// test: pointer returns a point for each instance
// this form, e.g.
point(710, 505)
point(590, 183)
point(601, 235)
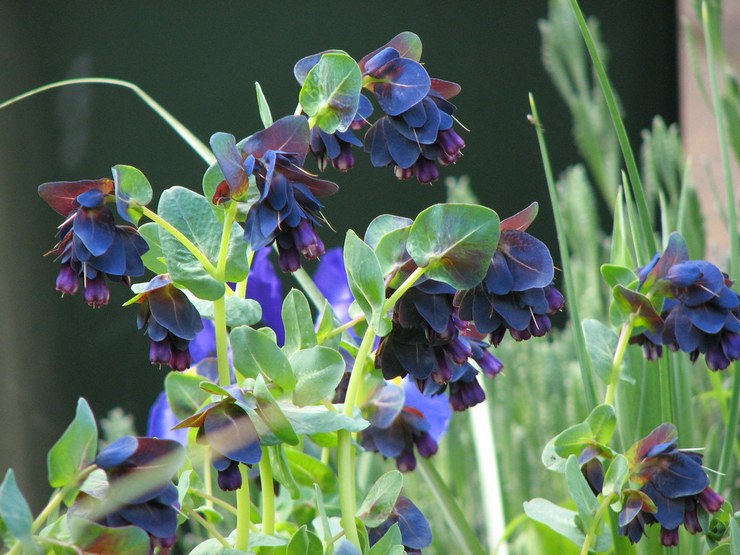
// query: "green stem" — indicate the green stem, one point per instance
point(309, 288)
point(210, 528)
point(344, 327)
point(666, 389)
point(624, 337)
point(624, 143)
point(268, 494)
point(584, 360)
point(219, 306)
point(199, 147)
point(591, 536)
point(215, 500)
point(177, 234)
point(345, 452)
point(726, 470)
point(405, 286)
point(243, 506)
point(454, 517)
point(721, 122)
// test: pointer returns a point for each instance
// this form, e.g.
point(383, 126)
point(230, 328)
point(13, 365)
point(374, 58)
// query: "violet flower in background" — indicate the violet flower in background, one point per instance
point(154, 511)
point(403, 420)
point(264, 287)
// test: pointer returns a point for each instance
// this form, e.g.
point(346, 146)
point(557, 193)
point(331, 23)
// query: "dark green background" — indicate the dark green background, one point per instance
point(200, 60)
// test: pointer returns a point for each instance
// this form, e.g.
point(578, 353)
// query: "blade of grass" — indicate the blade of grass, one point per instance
point(587, 372)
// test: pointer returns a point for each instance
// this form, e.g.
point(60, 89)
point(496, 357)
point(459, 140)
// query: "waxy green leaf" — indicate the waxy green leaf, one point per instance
point(309, 471)
point(382, 225)
point(330, 94)
point(305, 542)
point(153, 258)
point(16, 514)
point(264, 107)
point(379, 501)
point(615, 274)
point(281, 469)
point(299, 327)
point(191, 214)
point(366, 281)
point(581, 492)
point(563, 521)
point(601, 343)
point(455, 241)
point(390, 544)
point(184, 393)
point(318, 371)
point(75, 449)
point(616, 475)
point(132, 191)
point(239, 311)
point(270, 413)
point(255, 353)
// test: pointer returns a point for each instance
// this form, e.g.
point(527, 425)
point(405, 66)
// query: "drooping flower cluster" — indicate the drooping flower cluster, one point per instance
point(170, 320)
point(701, 313)
point(670, 488)
point(152, 462)
point(416, 131)
point(427, 342)
point(91, 247)
point(437, 330)
point(517, 293)
point(287, 211)
point(401, 418)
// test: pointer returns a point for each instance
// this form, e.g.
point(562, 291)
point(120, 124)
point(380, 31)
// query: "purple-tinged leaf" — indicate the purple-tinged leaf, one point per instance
point(674, 253)
point(304, 65)
point(230, 431)
point(400, 84)
point(528, 259)
point(634, 504)
point(407, 44)
point(376, 142)
point(706, 317)
point(678, 475)
point(445, 89)
point(290, 134)
point(62, 195)
point(318, 187)
point(231, 163)
point(630, 301)
point(93, 538)
point(96, 229)
point(403, 151)
point(522, 219)
point(159, 520)
point(415, 530)
point(174, 311)
point(426, 133)
point(117, 452)
point(380, 59)
point(663, 434)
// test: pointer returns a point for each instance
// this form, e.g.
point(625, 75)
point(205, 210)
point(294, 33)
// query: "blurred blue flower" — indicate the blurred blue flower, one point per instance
point(401, 419)
point(266, 288)
point(331, 279)
point(154, 460)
